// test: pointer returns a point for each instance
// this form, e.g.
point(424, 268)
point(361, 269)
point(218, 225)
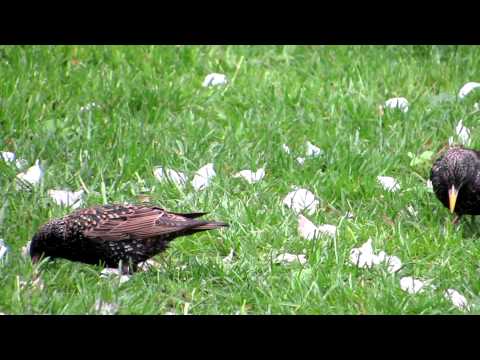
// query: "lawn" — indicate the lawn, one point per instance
point(152, 110)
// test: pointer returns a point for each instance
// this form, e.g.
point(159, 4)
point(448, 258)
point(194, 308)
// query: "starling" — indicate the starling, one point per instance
point(455, 179)
point(115, 235)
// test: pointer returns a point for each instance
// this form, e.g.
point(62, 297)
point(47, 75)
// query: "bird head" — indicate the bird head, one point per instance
point(461, 166)
point(47, 238)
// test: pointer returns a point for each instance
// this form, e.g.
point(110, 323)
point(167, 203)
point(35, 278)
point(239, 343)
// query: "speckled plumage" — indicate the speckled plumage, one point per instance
point(111, 234)
point(459, 167)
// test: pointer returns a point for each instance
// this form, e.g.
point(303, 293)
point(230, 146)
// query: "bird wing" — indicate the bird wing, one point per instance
point(132, 222)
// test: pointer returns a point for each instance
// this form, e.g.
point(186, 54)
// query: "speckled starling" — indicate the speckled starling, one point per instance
point(455, 179)
point(115, 234)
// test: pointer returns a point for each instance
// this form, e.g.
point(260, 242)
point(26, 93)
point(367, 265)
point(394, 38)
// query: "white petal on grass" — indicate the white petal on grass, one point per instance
point(397, 103)
point(463, 133)
point(7, 156)
point(412, 211)
point(67, 198)
point(110, 272)
point(457, 299)
point(250, 176)
point(476, 106)
point(21, 163)
point(327, 229)
point(3, 249)
point(104, 308)
point(11, 157)
point(89, 107)
point(26, 249)
point(229, 258)
point(287, 258)
point(286, 148)
point(364, 256)
point(35, 283)
point(149, 264)
point(310, 231)
point(412, 285)
point(313, 150)
point(214, 79)
point(33, 175)
point(467, 88)
point(306, 228)
point(429, 185)
point(393, 262)
point(38, 283)
point(389, 183)
point(300, 160)
point(301, 199)
point(174, 176)
point(203, 177)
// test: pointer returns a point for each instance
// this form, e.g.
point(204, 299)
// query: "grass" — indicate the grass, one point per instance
point(153, 111)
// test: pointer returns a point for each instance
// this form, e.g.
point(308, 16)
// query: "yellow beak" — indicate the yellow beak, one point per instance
point(452, 198)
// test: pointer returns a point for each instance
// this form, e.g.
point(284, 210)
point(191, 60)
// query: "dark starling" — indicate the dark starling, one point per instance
point(455, 179)
point(115, 234)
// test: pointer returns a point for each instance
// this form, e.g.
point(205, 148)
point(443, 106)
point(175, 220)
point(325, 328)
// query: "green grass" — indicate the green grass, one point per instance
point(154, 112)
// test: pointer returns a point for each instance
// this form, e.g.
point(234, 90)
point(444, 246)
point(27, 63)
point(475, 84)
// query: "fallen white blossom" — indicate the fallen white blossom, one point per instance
point(104, 308)
point(286, 148)
point(7, 156)
point(26, 249)
point(412, 211)
point(393, 262)
point(3, 249)
point(35, 283)
point(364, 257)
point(306, 228)
point(389, 183)
point(309, 231)
point(174, 176)
point(467, 88)
point(229, 258)
point(457, 299)
point(429, 185)
point(214, 79)
point(111, 272)
point(301, 199)
point(412, 285)
point(327, 229)
point(11, 157)
point(67, 198)
point(462, 133)
point(287, 258)
point(203, 177)
point(33, 175)
point(397, 103)
point(313, 150)
point(300, 160)
point(89, 107)
point(149, 264)
point(250, 176)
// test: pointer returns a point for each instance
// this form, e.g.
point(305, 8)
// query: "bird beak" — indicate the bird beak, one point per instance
point(452, 198)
